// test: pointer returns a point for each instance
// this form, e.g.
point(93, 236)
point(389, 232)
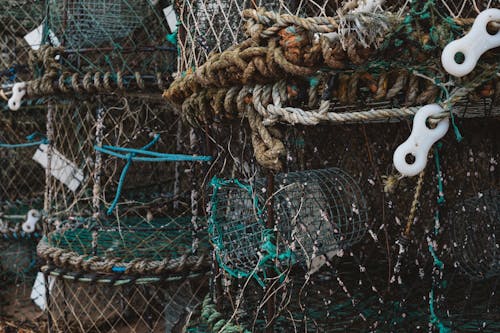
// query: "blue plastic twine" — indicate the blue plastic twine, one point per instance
point(130, 156)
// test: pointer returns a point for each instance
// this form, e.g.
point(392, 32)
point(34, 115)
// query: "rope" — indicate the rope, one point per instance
point(187, 262)
point(131, 156)
point(414, 204)
point(31, 142)
point(215, 319)
point(115, 281)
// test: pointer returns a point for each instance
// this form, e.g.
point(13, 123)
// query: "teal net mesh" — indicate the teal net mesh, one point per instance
point(129, 240)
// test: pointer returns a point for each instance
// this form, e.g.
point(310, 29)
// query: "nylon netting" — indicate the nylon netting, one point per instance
point(310, 228)
point(83, 306)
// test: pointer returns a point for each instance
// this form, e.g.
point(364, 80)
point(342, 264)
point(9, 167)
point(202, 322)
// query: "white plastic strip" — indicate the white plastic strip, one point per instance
point(60, 167)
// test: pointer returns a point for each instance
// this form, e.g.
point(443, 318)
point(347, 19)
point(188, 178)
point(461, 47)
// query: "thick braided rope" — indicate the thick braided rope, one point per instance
point(215, 319)
point(81, 263)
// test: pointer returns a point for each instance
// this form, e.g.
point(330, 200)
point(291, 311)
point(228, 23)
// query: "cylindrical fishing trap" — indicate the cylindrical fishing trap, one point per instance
point(90, 23)
point(316, 214)
point(474, 232)
point(92, 303)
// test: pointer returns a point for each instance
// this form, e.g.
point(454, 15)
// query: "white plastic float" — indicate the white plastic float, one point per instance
point(32, 218)
point(477, 41)
point(420, 141)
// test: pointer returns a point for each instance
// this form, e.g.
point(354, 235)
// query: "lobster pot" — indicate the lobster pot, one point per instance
point(97, 304)
point(211, 26)
point(124, 277)
point(111, 36)
point(18, 17)
point(317, 213)
point(474, 234)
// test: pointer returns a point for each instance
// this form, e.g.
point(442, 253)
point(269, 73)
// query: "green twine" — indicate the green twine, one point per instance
point(130, 156)
point(458, 135)
point(437, 262)
point(172, 38)
point(313, 81)
point(434, 318)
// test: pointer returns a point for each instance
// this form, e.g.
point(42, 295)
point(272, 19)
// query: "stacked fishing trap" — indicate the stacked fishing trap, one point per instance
point(241, 166)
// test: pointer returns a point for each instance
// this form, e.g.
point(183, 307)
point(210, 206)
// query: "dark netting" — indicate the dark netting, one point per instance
point(467, 305)
point(341, 298)
point(317, 214)
point(474, 233)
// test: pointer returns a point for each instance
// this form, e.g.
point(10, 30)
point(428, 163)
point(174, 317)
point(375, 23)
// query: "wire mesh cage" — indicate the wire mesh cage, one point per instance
point(126, 39)
point(105, 201)
point(90, 23)
point(473, 232)
point(317, 214)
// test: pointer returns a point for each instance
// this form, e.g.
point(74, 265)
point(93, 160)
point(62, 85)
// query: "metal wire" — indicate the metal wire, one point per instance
point(90, 23)
point(317, 213)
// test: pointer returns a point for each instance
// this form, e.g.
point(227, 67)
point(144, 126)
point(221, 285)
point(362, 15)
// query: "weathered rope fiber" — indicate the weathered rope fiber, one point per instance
point(187, 262)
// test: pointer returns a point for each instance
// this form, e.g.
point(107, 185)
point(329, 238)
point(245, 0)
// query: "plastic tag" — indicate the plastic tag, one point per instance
point(34, 38)
point(171, 17)
point(38, 291)
point(60, 167)
point(420, 141)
